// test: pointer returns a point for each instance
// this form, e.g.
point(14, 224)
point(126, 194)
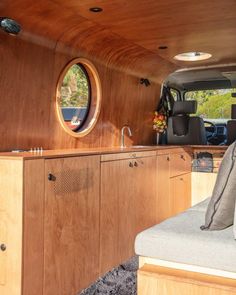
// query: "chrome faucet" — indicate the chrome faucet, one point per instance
point(122, 135)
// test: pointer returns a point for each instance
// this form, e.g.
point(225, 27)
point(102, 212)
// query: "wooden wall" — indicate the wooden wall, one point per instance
point(28, 77)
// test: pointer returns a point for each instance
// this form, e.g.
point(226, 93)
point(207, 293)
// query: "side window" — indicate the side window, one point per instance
point(175, 94)
point(78, 97)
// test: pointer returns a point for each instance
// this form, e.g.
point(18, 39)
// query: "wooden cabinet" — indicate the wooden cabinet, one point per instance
point(180, 193)
point(49, 222)
point(173, 183)
point(66, 219)
point(11, 202)
point(71, 224)
point(128, 205)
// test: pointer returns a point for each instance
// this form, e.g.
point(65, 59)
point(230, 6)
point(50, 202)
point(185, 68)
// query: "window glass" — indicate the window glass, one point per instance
point(213, 104)
point(75, 97)
point(174, 93)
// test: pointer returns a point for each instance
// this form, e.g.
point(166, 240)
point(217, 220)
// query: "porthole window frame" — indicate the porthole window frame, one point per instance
point(95, 93)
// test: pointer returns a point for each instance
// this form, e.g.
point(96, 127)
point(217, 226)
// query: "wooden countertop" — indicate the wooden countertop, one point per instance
point(96, 151)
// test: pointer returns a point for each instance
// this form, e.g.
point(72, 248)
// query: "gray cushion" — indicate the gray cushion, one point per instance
point(220, 211)
point(179, 239)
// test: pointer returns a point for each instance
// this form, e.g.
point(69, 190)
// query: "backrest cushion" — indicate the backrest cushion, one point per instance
point(220, 211)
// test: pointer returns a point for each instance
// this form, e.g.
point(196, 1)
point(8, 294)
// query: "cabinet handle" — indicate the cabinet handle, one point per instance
point(131, 164)
point(181, 179)
point(168, 158)
point(182, 157)
point(135, 164)
point(51, 177)
point(3, 247)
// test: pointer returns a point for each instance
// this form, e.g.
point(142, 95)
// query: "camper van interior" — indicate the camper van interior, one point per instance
point(117, 154)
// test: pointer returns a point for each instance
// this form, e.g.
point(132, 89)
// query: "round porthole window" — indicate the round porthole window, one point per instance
point(78, 97)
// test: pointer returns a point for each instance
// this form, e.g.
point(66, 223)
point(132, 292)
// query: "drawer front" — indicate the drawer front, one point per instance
point(130, 155)
point(180, 164)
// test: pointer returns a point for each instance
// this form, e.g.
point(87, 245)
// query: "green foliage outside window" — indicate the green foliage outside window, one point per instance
point(213, 104)
point(75, 88)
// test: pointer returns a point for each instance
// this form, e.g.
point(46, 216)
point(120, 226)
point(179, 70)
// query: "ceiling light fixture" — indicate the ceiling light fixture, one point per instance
point(96, 9)
point(193, 56)
point(9, 26)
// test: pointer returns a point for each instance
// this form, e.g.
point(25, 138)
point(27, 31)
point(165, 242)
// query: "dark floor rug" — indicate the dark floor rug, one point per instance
point(119, 281)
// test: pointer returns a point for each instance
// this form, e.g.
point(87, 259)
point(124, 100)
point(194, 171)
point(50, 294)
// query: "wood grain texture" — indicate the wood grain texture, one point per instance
point(182, 25)
point(11, 220)
point(180, 193)
point(156, 280)
point(173, 183)
point(128, 206)
point(71, 225)
point(28, 115)
point(163, 187)
point(33, 232)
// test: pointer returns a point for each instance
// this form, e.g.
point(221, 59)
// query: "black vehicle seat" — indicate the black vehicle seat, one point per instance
point(184, 129)
point(231, 126)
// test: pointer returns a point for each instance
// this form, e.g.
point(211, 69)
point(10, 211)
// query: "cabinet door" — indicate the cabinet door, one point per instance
point(163, 187)
point(128, 205)
point(180, 163)
point(71, 228)
point(11, 217)
point(180, 192)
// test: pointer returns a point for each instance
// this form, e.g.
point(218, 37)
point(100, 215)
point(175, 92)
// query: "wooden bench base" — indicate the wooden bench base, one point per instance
point(157, 280)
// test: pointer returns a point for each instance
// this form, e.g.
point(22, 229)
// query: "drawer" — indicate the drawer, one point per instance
point(179, 164)
point(129, 155)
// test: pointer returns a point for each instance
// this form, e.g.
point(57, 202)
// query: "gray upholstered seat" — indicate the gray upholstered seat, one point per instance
point(179, 239)
point(184, 129)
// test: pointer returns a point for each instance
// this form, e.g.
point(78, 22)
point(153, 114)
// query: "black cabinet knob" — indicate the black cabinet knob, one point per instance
point(51, 177)
point(3, 247)
point(135, 164)
point(131, 164)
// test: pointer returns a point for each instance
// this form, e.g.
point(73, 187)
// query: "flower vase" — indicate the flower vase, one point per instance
point(157, 138)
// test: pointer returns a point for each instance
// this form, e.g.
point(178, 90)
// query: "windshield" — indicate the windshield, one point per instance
point(213, 105)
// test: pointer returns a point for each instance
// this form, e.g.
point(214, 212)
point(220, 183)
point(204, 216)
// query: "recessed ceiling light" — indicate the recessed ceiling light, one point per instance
point(193, 56)
point(163, 47)
point(96, 9)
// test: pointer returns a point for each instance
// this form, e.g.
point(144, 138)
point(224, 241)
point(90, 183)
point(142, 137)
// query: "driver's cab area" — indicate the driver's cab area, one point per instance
point(206, 102)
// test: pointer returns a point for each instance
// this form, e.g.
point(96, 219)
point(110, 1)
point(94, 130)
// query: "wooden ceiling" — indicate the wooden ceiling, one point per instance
point(138, 25)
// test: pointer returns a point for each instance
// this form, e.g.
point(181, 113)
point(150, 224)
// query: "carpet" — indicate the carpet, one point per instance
point(119, 281)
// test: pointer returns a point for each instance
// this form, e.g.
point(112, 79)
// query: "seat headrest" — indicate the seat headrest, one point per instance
point(233, 111)
point(184, 107)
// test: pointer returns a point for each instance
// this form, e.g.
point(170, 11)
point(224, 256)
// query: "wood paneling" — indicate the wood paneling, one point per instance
point(71, 224)
point(182, 25)
point(29, 74)
point(157, 280)
point(173, 183)
point(180, 193)
point(11, 220)
point(128, 206)
point(33, 233)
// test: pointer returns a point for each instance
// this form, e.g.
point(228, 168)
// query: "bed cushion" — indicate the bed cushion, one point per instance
point(220, 211)
point(179, 239)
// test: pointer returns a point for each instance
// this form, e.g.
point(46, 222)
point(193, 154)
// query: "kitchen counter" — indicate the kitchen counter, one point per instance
point(45, 154)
